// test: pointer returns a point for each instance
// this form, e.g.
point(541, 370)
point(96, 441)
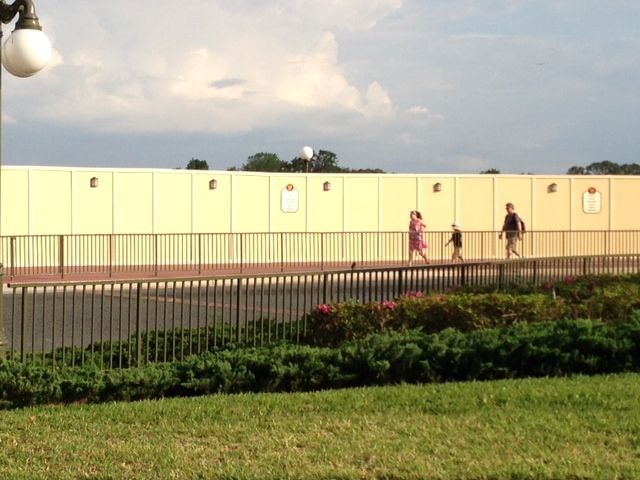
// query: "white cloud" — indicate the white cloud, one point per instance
point(377, 103)
point(418, 110)
point(205, 67)
point(503, 83)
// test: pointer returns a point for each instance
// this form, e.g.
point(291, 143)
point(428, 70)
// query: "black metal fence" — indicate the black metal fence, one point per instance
point(152, 255)
point(121, 323)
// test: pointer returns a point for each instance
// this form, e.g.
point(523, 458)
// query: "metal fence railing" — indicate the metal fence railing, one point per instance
point(123, 323)
point(151, 255)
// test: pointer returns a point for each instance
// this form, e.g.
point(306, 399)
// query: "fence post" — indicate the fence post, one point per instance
point(138, 322)
point(585, 266)
point(321, 251)
point(12, 256)
point(112, 247)
point(238, 307)
point(240, 239)
point(61, 255)
point(199, 254)
point(155, 253)
point(4, 343)
point(324, 288)
point(281, 252)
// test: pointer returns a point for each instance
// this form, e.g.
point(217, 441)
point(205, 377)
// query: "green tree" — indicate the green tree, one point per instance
point(606, 167)
point(491, 171)
point(577, 170)
point(196, 164)
point(323, 161)
point(264, 162)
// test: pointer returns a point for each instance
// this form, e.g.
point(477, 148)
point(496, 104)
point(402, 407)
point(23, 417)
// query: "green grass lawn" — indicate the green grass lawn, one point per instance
point(578, 428)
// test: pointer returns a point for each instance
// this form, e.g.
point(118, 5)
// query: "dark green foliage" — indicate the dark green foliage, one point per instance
point(605, 167)
point(197, 164)
point(333, 324)
point(563, 347)
point(604, 297)
point(264, 162)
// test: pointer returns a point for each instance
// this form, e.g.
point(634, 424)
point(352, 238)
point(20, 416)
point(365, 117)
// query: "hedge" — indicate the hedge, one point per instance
point(608, 299)
point(563, 347)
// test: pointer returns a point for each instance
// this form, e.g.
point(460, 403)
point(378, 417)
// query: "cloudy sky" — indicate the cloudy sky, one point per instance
point(437, 86)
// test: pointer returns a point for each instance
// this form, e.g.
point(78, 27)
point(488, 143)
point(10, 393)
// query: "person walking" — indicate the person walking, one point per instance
point(417, 243)
point(456, 239)
point(512, 227)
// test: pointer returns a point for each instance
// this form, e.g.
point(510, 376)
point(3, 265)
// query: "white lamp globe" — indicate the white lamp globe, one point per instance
point(306, 153)
point(26, 52)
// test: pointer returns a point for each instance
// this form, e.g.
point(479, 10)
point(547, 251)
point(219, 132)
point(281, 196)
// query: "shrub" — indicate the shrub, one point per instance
point(334, 324)
point(539, 349)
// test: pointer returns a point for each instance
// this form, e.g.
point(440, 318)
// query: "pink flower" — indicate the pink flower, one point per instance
point(569, 279)
point(324, 309)
point(413, 295)
point(389, 305)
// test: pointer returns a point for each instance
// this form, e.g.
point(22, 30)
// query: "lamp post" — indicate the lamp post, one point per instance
point(25, 53)
point(306, 154)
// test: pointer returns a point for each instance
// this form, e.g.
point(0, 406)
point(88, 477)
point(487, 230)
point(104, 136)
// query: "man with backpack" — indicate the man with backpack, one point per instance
point(513, 228)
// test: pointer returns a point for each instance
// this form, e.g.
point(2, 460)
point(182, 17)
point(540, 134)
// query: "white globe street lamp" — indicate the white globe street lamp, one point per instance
point(26, 52)
point(306, 154)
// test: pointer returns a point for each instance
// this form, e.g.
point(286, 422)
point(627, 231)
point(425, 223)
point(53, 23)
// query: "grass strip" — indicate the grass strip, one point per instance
point(578, 428)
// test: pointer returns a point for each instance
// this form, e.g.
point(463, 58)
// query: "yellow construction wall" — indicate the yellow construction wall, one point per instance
point(91, 207)
point(361, 204)
point(15, 201)
point(172, 203)
point(61, 201)
point(50, 202)
point(552, 209)
point(211, 207)
point(625, 195)
point(325, 212)
point(133, 202)
point(475, 201)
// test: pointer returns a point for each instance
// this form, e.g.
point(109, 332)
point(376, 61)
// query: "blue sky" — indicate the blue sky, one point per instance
point(403, 85)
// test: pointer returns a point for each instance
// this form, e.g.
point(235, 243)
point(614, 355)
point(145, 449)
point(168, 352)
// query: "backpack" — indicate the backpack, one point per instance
point(522, 224)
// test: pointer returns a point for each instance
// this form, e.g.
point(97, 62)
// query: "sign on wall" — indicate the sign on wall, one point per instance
point(591, 201)
point(289, 199)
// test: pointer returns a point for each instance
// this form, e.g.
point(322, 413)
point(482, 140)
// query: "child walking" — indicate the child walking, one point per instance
point(456, 239)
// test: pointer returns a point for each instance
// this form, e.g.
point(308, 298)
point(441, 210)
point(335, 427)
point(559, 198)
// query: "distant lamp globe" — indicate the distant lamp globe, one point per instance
point(306, 154)
point(26, 52)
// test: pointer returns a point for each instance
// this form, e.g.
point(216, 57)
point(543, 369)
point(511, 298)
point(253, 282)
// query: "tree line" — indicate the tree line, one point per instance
point(323, 161)
point(605, 167)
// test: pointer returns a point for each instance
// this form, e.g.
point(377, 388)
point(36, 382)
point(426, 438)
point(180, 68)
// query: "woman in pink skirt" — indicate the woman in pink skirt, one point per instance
point(416, 237)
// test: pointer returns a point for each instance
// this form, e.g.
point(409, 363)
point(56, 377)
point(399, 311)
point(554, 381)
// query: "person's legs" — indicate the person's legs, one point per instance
point(512, 242)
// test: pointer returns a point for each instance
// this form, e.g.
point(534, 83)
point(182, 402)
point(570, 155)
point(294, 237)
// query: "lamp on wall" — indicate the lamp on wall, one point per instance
point(213, 184)
point(553, 188)
point(437, 187)
point(326, 186)
point(93, 183)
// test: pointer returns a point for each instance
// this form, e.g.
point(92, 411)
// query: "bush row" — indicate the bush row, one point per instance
point(543, 349)
point(608, 299)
